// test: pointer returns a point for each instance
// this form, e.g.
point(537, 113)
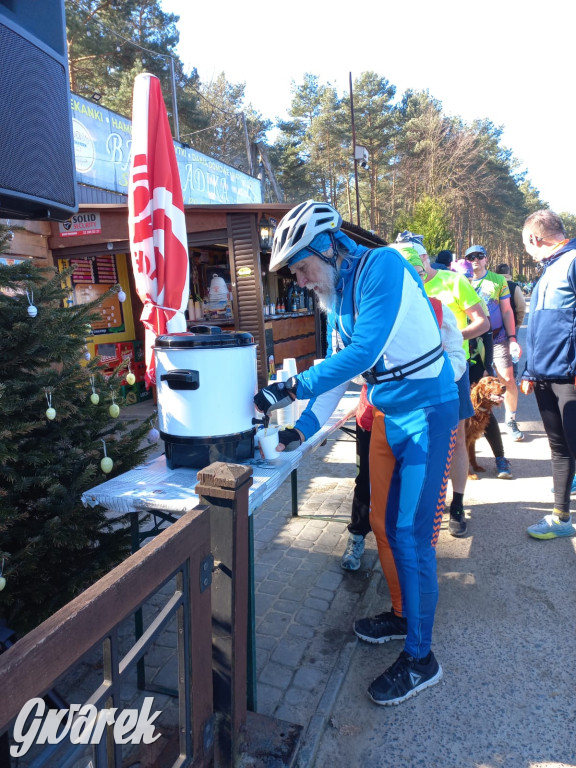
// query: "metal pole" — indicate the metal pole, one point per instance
point(354, 153)
point(174, 102)
point(247, 139)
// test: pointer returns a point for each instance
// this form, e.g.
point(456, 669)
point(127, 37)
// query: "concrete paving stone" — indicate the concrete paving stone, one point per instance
point(287, 606)
point(265, 642)
point(297, 630)
point(315, 561)
point(309, 534)
point(289, 652)
point(309, 617)
point(316, 604)
point(271, 555)
point(329, 580)
point(318, 523)
point(276, 674)
point(291, 593)
point(268, 698)
point(309, 678)
point(265, 534)
point(301, 578)
point(269, 587)
point(322, 594)
point(273, 624)
point(288, 565)
point(296, 553)
point(167, 676)
point(263, 603)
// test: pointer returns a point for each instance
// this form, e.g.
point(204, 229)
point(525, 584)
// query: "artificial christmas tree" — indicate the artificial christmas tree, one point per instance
point(54, 435)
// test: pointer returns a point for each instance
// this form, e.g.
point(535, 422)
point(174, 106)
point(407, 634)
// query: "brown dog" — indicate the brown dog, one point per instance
point(488, 393)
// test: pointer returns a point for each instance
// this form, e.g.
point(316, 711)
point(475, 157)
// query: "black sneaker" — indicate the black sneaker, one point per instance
point(404, 679)
point(457, 524)
point(381, 628)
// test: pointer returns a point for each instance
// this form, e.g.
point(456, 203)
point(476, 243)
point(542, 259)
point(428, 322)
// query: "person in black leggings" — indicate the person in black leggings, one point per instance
point(551, 358)
point(481, 365)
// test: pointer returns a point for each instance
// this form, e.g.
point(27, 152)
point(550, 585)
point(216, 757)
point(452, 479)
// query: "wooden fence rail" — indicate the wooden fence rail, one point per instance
point(33, 665)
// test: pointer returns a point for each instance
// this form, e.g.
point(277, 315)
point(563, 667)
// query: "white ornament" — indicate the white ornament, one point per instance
point(32, 311)
point(2, 583)
point(121, 296)
point(50, 414)
point(153, 436)
point(87, 355)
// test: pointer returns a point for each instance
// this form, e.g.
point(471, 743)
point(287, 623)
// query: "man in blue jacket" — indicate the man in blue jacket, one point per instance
point(381, 325)
point(551, 358)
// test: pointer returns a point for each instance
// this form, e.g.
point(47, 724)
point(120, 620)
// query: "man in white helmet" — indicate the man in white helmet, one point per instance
point(381, 325)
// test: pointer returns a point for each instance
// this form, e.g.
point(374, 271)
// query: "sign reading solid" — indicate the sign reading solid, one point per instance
point(81, 224)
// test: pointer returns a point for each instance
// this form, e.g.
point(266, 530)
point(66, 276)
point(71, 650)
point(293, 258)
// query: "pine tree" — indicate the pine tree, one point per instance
point(51, 546)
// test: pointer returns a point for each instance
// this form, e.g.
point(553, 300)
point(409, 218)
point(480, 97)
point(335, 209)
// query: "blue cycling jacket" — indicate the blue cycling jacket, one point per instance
point(381, 320)
point(551, 334)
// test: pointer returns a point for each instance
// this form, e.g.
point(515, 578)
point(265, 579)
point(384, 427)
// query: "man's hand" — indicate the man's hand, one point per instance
point(289, 439)
point(526, 387)
point(277, 395)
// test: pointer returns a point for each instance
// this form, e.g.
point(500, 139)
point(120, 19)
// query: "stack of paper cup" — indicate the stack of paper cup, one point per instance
point(289, 414)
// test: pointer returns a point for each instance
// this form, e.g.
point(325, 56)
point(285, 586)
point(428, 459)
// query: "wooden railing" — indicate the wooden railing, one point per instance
point(32, 666)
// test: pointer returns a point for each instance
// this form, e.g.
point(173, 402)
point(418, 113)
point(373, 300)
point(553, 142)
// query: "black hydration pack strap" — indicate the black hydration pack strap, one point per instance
point(401, 371)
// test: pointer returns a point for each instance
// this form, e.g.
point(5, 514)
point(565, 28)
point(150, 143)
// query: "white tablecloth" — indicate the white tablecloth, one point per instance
point(154, 486)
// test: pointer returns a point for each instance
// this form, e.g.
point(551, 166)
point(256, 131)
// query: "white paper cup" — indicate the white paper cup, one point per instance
point(267, 442)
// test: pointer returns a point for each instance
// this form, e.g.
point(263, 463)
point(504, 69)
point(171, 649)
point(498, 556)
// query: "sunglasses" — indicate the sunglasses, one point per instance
point(476, 257)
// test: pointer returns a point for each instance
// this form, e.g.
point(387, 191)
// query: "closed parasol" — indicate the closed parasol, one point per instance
point(156, 219)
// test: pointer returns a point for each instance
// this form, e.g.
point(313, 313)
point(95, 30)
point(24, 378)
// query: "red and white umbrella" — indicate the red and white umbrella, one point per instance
point(156, 219)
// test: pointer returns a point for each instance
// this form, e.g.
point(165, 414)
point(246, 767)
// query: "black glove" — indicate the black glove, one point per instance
point(290, 438)
point(277, 395)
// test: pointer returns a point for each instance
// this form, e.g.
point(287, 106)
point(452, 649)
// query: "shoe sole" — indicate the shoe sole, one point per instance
point(393, 702)
point(378, 640)
point(517, 439)
point(551, 535)
point(504, 476)
point(458, 534)
point(347, 567)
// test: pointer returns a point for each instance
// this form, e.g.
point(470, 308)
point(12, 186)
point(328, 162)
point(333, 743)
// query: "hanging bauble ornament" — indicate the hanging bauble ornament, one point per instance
point(94, 397)
point(50, 412)
point(114, 411)
point(130, 378)
point(121, 296)
point(153, 436)
point(87, 355)
point(32, 311)
point(106, 463)
point(2, 583)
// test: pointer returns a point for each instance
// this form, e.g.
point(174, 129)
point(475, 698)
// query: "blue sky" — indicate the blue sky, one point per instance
point(506, 60)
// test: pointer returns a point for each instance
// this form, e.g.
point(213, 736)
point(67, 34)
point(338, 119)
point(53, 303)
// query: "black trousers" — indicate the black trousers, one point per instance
point(360, 517)
point(557, 405)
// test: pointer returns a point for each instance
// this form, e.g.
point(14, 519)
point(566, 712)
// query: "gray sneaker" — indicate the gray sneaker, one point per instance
point(352, 558)
point(513, 430)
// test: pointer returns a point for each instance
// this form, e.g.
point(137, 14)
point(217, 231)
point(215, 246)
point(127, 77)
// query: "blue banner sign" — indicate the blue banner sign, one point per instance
point(102, 141)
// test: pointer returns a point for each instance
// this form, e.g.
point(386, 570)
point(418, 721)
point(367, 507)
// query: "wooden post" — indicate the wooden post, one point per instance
point(224, 488)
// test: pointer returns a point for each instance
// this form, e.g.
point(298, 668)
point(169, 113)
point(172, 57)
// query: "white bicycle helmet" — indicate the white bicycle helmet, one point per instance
point(299, 227)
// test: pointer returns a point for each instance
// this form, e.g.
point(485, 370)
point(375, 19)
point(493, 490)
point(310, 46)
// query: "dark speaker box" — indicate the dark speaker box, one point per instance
point(37, 171)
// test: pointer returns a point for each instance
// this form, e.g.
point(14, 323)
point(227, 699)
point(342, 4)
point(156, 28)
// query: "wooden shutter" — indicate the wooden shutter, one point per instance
point(244, 250)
